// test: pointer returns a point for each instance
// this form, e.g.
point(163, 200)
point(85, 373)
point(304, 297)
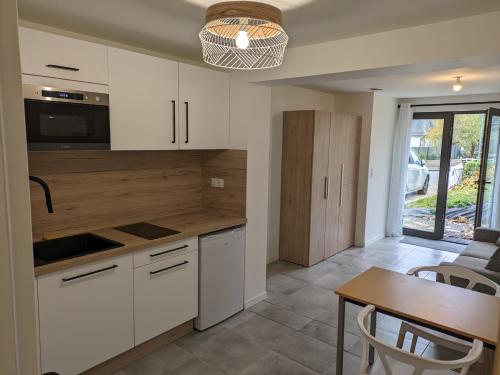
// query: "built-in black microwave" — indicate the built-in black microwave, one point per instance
point(58, 119)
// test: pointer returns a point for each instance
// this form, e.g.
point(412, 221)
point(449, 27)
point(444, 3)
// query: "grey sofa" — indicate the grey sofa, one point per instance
point(477, 254)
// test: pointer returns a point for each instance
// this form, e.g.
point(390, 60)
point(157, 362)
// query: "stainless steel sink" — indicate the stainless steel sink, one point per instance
point(70, 247)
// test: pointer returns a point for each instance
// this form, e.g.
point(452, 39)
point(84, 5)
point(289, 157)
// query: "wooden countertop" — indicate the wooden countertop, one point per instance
point(461, 311)
point(189, 225)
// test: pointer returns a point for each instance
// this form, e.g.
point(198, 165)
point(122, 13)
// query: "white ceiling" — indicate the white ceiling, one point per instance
point(475, 80)
point(171, 26)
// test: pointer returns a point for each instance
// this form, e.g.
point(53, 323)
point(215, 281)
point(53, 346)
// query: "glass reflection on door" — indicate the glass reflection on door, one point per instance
point(489, 181)
point(422, 181)
point(463, 176)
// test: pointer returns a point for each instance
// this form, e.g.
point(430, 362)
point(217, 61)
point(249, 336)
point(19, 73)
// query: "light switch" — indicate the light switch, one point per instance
point(217, 182)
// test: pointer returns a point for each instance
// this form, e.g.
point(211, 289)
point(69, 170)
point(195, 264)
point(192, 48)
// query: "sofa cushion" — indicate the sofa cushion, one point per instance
point(486, 234)
point(482, 250)
point(478, 265)
point(494, 262)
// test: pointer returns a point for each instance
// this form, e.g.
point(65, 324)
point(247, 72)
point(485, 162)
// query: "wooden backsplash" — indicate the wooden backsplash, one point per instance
point(231, 166)
point(95, 189)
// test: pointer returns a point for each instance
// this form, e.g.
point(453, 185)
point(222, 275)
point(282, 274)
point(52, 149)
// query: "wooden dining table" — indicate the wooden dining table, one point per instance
point(458, 312)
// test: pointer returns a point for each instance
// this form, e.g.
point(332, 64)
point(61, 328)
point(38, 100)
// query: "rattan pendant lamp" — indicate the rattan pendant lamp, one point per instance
point(243, 35)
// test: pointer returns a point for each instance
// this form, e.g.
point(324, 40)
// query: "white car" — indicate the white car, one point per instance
point(417, 178)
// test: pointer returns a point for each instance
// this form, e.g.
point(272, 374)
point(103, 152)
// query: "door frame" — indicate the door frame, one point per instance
point(484, 164)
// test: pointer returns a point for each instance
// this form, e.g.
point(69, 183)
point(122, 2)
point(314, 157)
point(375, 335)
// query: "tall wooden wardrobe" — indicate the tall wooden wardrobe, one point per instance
point(319, 180)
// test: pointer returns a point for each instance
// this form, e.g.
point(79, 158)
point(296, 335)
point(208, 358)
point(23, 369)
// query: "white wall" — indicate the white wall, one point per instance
point(384, 117)
point(286, 98)
point(359, 104)
point(250, 119)
point(18, 333)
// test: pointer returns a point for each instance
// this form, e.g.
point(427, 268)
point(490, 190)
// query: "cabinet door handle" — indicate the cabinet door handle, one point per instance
point(341, 195)
point(168, 251)
point(173, 119)
point(187, 122)
point(89, 273)
point(55, 66)
point(326, 187)
point(168, 268)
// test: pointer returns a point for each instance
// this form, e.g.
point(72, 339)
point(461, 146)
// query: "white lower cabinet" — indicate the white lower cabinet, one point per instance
point(165, 295)
point(85, 315)
point(91, 313)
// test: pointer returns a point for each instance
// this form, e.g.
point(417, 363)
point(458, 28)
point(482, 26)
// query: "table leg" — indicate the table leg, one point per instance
point(373, 331)
point(340, 336)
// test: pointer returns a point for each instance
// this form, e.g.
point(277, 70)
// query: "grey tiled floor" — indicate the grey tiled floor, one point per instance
point(294, 331)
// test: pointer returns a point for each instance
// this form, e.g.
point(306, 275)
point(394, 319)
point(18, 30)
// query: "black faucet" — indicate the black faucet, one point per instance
point(46, 190)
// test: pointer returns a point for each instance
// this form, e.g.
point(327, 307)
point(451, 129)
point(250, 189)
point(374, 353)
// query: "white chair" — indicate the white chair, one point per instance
point(470, 277)
point(395, 361)
point(471, 280)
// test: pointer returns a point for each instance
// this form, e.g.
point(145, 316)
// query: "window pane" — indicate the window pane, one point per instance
point(423, 174)
point(465, 162)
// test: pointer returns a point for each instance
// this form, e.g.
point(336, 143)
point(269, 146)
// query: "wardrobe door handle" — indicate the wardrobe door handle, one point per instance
point(168, 268)
point(187, 122)
point(326, 187)
point(168, 251)
point(341, 184)
point(173, 119)
point(55, 66)
point(89, 273)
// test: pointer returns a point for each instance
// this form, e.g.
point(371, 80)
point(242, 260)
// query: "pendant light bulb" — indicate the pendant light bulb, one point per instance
point(457, 86)
point(242, 41)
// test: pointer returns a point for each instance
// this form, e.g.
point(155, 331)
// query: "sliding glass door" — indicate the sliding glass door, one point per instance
point(453, 182)
point(426, 177)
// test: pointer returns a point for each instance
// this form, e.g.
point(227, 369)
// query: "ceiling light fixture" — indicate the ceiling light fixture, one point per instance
point(243, 35)
point(457, 86)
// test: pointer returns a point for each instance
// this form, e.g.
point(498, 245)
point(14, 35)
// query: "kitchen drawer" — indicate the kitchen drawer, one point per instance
point(85, 315)
point(165, 295)
point(157, 253)
point(50, 55)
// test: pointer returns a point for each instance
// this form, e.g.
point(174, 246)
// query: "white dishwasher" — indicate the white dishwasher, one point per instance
point(222, 276)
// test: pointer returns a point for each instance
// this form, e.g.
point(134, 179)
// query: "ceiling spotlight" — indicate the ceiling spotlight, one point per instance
point(457, 86)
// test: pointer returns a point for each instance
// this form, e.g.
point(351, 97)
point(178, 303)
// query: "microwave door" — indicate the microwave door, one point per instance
point(52, 125)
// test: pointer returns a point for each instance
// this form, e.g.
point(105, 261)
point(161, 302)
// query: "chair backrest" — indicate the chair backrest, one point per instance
point(419, 364)
point(448, 271)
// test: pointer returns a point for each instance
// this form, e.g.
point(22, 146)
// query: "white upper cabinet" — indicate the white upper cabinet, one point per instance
point(203, 108)
point(51, 55)
point(143, 95)
point(154, 103)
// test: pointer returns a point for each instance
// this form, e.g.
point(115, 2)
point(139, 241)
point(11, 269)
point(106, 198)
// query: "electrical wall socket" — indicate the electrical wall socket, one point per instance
point(217, 182)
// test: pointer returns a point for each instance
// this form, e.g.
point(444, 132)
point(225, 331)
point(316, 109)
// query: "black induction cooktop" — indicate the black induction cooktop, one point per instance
point(146, 230)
